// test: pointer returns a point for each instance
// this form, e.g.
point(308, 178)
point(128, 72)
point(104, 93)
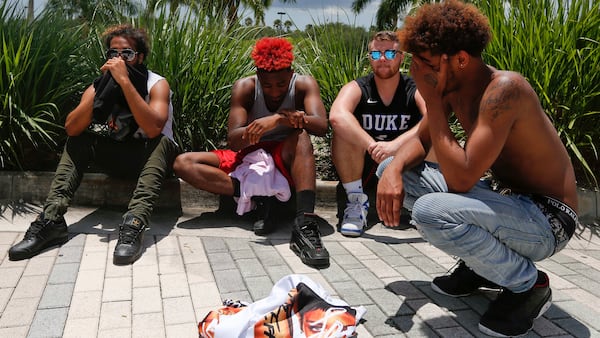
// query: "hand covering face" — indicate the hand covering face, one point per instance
point(110, 101)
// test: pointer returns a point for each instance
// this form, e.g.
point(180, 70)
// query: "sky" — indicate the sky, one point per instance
point(304, 12)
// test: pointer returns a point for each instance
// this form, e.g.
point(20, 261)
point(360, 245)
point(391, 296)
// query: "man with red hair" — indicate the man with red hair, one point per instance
point(274, 110)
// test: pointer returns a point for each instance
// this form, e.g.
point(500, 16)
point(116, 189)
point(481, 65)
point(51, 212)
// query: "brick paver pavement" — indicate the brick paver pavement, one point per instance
point(193, 261)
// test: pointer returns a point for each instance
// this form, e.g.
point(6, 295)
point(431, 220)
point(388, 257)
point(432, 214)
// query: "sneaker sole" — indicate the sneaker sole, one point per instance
point(263, 232)
point(493, 333)
point(440, 291)
point(316, 263)
point(351, 233)
point(19, 257)
point(126, 260)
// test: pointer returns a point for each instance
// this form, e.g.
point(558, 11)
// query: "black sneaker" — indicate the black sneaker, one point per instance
point(129, 245)
point(264, 224)
point(41, 235)
point(306, 241)
point(512, 314)
point(462, 282)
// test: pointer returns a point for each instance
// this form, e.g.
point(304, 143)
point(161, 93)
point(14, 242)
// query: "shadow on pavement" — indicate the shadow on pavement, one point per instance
point(106, 221)
point(11, 209)
point(581, 232)
point(225, 217)
point(415, 295)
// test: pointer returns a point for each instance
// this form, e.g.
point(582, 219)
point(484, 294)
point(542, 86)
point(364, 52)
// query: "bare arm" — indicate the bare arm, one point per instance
point(381, 150)
point(315, 121)
point(242, 97)
point(463, 167)
point(314, 117)
point(152, 116)
point(344, 124)
point(390, 189)
point(80, 118)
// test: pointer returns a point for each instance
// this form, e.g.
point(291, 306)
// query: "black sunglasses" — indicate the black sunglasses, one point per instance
point(128, 54)
point(389, 54)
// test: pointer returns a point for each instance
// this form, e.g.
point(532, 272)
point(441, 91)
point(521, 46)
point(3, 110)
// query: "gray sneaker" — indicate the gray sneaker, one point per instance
point(355, 215)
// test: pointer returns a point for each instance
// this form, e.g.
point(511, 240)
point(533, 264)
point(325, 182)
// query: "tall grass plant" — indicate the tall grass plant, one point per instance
point(201, 61)
point(37, 61)
point(47, 63)
point(555, 44)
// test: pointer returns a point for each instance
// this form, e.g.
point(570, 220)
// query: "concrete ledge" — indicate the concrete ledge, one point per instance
point(102, 190)
point(95, 190)
point(589, 206)
point(99, 189)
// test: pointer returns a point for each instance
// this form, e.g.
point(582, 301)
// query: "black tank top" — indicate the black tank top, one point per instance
point(385, 123)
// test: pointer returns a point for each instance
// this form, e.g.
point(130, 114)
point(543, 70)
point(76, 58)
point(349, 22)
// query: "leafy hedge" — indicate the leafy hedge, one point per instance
point(47, 63)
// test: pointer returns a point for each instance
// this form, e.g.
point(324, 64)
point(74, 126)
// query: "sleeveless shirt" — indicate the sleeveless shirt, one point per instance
point(385, 123)
point(167, 130)
point(259, 109)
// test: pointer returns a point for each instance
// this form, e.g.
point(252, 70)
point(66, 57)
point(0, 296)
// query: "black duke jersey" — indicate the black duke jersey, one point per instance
point(385, 123)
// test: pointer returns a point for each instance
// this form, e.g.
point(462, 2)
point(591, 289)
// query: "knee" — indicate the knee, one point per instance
point(299, 147)
point(166, 143)
point(429, 210)
point(305, 147)
point(180, 164)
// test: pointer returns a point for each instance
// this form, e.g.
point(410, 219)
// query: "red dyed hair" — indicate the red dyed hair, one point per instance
point(272, 54)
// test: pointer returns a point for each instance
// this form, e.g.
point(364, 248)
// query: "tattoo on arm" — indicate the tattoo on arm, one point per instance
point(501, 99)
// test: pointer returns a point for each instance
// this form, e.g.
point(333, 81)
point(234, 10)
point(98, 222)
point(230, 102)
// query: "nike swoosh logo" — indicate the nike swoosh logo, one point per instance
point(371, 101)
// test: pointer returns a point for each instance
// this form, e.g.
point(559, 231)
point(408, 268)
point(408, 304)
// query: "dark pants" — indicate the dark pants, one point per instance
point(149, 161)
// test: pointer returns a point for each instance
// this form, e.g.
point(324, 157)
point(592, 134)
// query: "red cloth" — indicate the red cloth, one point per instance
point(229, 159)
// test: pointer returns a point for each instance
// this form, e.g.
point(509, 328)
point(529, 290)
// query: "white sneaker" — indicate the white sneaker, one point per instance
point(355, 215)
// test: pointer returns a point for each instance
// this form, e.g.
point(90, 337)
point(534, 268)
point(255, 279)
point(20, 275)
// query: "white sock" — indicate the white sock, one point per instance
point(353, 187)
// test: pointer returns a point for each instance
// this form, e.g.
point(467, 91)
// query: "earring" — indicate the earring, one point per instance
point(461, 65)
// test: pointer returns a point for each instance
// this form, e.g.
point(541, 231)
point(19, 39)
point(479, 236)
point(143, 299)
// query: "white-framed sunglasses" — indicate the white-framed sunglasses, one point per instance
point(126, 53)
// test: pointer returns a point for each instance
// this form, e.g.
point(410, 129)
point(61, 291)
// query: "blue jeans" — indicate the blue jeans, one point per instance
point(498, 236)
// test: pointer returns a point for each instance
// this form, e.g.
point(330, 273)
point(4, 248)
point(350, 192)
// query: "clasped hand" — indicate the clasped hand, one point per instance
point(117, 68)
point(381, 150)
point(256, 129)
point(297, 118)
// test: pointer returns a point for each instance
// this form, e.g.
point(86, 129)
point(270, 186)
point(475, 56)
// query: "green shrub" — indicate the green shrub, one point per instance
point(37, 62)
point(46, 65)
point(555, 45)
point(201, 60)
